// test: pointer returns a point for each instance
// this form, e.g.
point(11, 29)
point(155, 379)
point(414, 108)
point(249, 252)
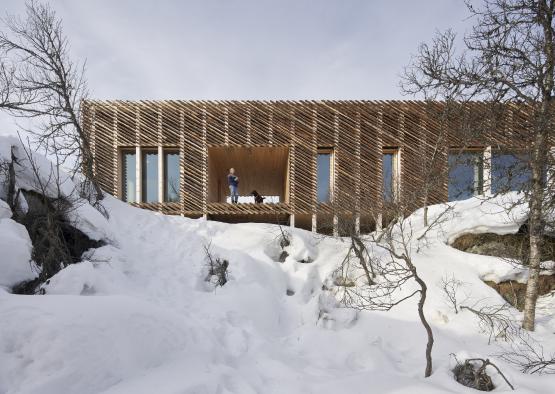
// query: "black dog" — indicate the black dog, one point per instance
point(257, 197)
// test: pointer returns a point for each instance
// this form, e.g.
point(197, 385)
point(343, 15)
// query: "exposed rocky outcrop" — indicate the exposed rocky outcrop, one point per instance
point(514, 292)
point(515, 249)
point(509, 246)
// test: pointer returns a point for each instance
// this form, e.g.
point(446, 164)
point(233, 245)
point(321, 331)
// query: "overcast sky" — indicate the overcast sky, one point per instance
point(248, 49)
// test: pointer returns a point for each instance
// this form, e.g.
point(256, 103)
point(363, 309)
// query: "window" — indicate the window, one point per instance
point(509, 172)
point(324, 175)
point(171, 174)
point(150, 177)
point(390, 174)
point(466, 174)
point(128, 176)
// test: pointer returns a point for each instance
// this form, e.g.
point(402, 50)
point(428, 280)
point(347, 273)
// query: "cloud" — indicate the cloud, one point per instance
point(252, 49)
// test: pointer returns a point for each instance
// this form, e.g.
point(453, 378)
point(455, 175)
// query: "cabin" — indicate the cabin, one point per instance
point(317, 163)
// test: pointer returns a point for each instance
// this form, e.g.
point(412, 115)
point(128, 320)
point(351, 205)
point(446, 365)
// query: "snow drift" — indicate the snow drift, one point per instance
point(136, 316)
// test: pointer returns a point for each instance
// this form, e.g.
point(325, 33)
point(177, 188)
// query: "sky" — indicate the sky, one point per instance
point(248, 49)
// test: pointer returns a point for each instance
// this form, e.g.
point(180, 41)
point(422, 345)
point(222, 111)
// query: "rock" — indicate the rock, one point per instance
point(514, 292)
point(509, 246)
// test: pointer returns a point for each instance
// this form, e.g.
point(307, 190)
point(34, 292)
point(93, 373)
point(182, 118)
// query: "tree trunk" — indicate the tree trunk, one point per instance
point(538, 164)
point(429, 333)
point(535, 228)
point(11, 197)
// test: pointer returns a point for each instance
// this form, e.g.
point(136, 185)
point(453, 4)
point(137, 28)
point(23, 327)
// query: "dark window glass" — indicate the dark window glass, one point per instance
point(128, 177)
point(324, 177)
point(388, 176)
point(150, 177)
point(509, 172)
point(466, 175)
point(171, 187)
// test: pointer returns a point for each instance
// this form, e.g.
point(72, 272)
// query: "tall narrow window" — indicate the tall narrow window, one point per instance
point(171, 172)
point(390, 171)
point(150, 177)
point(466, 174)
point(128, 176)
point(324, 175)
point(509, 172)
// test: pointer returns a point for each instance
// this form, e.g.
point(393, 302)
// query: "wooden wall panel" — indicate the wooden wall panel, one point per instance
point(170, 125)
point(193, 178)
point(356, 130)
point(346, 159)
point(216, 125)
point(238, 133)
point(126, 121)
point(148, 125)
point(281, 123)
point(260, 124)
point(370, 158)
point(325, 125)
point(104, 148)
point(303, 159)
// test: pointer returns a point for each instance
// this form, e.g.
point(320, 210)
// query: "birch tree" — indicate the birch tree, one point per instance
point(40, 82)
point(507, 58)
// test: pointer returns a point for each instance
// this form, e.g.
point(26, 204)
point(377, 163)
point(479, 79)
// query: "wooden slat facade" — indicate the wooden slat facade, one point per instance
point(357, 131)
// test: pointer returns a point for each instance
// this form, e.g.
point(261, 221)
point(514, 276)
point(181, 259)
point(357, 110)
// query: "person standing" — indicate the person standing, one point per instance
point(233, 182)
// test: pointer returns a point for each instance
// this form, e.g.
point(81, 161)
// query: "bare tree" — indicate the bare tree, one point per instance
point(380, 265)
point(39, 81)
point(508, 57)
point(216, 267)
point(495, 321)
point(451, 286)
point(529, 356)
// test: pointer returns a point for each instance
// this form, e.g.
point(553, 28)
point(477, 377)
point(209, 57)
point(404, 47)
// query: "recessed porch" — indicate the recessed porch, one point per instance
point(262, 168)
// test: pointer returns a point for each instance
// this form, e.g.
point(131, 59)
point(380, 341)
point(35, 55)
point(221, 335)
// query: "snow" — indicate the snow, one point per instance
point(15, 254)
point(83, 216)
point(136, 316)
point(15, 251)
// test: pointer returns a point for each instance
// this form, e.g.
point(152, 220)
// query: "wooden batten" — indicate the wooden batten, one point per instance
point(281, 138)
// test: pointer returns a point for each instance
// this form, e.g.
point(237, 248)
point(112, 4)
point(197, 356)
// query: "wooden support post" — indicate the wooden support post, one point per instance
point(292, 220)
point(379, 206)
point(313, 167)
point(487, 171)
point(357, 174)
point(93, 139)
point(138, 172)
point(204, 162)
point(248, 126)
point(160, 161)
point(335, 226)
point(160, 175)
point(115, 153)
point(271, 127)
point(182, 161)
point(226, 126)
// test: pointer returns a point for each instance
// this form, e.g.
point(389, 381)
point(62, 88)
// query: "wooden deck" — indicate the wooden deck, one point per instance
point(219, 208)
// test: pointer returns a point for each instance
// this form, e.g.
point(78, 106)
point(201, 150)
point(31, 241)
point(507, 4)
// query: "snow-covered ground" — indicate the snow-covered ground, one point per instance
point(136, 316)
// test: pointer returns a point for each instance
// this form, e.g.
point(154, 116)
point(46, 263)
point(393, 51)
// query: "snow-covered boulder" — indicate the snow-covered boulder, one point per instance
point(5, 211)
point(15, 253)
point(82, 216)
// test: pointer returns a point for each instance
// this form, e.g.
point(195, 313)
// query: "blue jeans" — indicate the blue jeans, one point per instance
point(233, 193)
